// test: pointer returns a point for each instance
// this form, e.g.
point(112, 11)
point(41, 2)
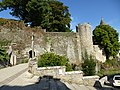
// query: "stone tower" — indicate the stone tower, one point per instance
point(102, 22)
point(85, 35)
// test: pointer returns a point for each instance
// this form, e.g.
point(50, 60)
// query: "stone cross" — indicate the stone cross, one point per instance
point(32, 46)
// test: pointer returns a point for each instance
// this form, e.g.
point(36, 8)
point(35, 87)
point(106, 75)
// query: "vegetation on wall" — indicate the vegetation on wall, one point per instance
point(110, 67)
point(3, 21)
point(51, 15)
point(51, 59)
point(4, 57)
point(108, 39)
point(88, 67)
point(4, 42)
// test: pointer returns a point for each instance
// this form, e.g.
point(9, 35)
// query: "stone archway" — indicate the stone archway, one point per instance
point(30, 54)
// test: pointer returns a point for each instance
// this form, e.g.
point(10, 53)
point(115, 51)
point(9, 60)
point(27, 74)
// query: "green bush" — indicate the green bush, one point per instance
point(51, 59)
point(88, 67)
point(4, 56)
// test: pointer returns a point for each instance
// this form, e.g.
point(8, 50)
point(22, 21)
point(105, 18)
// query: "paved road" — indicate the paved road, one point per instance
point(17, 78)
point(10, 73)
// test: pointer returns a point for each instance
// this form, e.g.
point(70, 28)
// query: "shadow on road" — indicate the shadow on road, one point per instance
point(44, 83)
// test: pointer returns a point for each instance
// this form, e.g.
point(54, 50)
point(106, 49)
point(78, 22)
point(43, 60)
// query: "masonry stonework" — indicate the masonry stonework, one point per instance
point(72, 45)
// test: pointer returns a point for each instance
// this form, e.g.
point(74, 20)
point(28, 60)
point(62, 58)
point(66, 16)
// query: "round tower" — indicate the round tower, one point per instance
point(85, 34)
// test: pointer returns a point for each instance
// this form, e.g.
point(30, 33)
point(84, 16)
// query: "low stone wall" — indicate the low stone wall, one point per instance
point(59, 72)
point(73, 77)
point(90, 80)
point(51, 71)
point(70, 77)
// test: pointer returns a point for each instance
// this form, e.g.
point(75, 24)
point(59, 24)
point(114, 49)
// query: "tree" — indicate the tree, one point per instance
point(60, 18)
point(107, 38)
point(51, 15)
point(51, 59)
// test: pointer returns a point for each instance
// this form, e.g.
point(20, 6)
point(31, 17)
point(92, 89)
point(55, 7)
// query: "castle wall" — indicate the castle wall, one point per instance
point(70, 44)
point(62, 43)
point(98, 53)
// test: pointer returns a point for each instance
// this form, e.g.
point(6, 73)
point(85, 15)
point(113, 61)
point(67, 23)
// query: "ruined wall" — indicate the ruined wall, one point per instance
point(60, 43)
point(73, 45)
point(99, 54)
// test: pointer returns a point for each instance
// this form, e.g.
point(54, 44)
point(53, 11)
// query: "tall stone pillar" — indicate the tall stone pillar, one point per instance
point(32, 60)
point(32, 46)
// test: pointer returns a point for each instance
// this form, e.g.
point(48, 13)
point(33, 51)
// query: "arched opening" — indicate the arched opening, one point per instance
point(30, 54)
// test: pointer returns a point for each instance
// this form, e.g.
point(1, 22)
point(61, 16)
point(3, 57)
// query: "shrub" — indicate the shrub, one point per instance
point(51, 59)
point(3, 21)
point(4, 56)
point(109, 67)
point(88, 66)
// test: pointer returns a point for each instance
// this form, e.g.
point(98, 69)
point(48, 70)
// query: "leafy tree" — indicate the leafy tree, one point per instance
point(60, 18)
point(107, 38)
point(88, 67)
point(51, 59)
point(49, 14)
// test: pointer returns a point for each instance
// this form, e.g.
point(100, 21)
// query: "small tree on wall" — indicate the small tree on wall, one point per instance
point(51, 59)
point(88, 67)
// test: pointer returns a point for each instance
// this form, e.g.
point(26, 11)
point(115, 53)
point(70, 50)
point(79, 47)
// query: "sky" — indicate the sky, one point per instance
point(84, 11)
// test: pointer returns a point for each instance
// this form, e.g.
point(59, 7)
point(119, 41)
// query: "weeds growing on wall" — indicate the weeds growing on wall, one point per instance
point(4, 42)
point(88, 67)
point(110, 67)
point(4, 57)
point(51, 59)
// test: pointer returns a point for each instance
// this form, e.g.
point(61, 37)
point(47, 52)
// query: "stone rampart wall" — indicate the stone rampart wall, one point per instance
point(62, 43)
point(70, 44)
